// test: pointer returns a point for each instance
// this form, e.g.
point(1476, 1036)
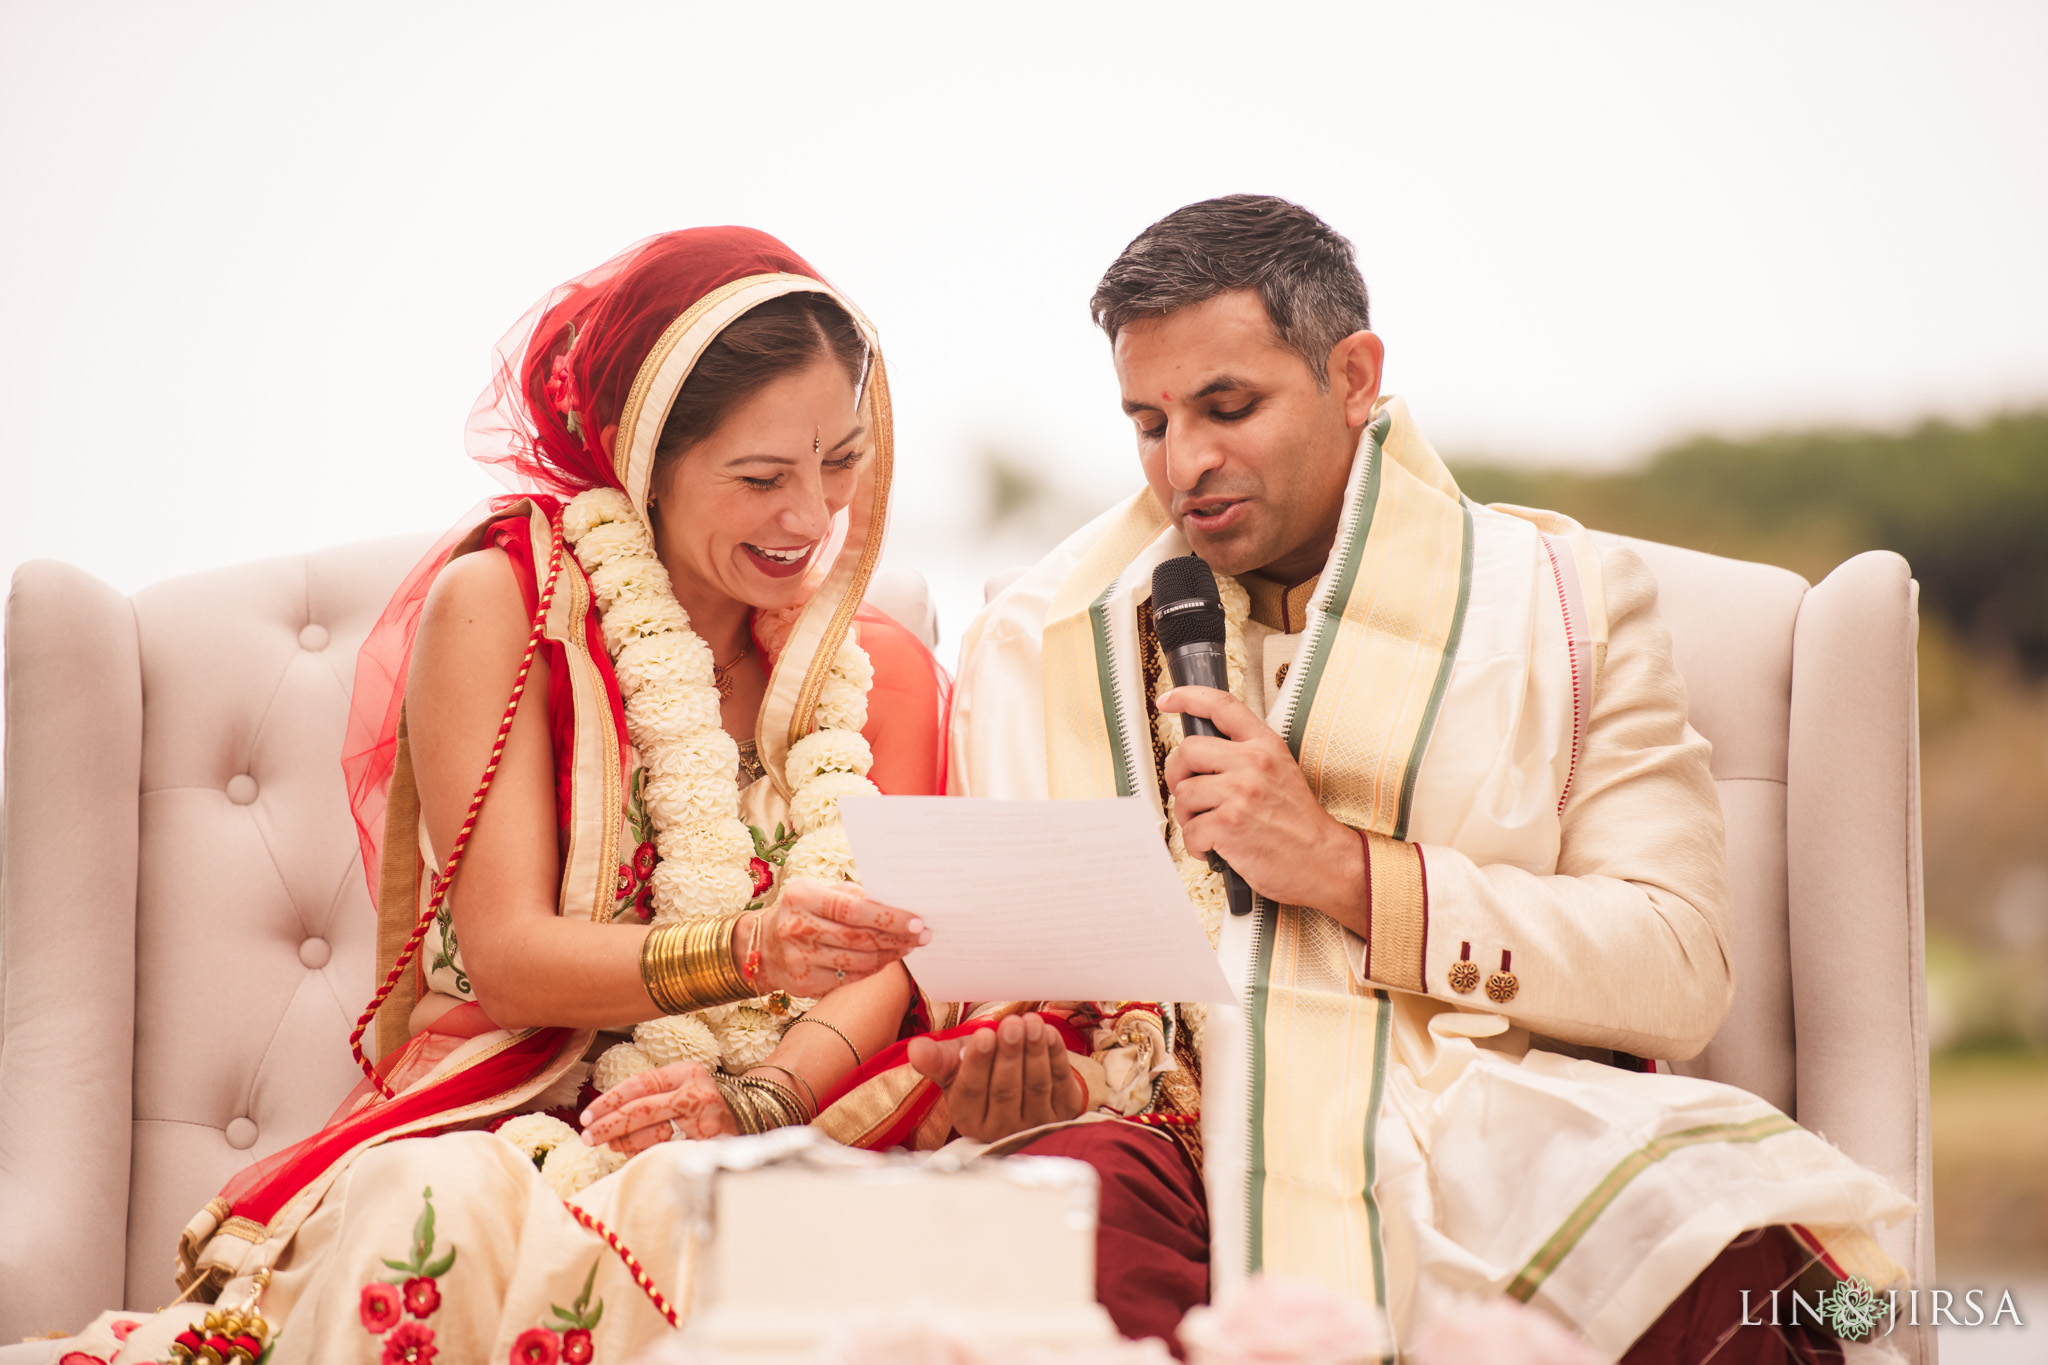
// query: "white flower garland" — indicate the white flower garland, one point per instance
point(1204, 887)
point(692, 797)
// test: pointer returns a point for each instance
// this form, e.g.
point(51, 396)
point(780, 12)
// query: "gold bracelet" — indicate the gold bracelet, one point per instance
point(777, 1100)
point(806, 1019)
point(745, 1106)
point(759, 1104)
point(773, 1066)
point(689, 966)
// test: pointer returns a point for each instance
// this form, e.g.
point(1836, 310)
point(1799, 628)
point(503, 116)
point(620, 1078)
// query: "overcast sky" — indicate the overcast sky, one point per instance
point(253, 256)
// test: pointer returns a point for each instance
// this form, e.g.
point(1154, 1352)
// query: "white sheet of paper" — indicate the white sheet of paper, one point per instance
point(1036, 900)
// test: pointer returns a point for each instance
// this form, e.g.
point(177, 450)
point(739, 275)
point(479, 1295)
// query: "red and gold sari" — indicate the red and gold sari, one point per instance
point(330, 1217)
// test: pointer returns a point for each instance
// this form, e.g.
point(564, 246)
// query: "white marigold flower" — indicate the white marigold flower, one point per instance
point(681, 798)
point(616, 1065)
point(677, 657)
point(571, 1169)
point(816, 803)
point(538, 1134)
point(625, 579)
point(1237, 603)
point(685, 891)
point(593, 508)
point(746, 1036)
point(852, 664)
point(640, 615)
point(1205, 893)
point(676, 1037)
point(841, 706)
point(828, 751)
point(671, 713)
point(704, 753)
point(614, 540)
point(706, 843)
point(825, 854)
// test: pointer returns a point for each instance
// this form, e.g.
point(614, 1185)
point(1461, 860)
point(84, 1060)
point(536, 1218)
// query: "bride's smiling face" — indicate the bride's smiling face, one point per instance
point(743, 512)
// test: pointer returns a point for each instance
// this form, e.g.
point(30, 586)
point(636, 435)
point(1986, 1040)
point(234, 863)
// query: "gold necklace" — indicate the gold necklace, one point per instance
point(720, 671)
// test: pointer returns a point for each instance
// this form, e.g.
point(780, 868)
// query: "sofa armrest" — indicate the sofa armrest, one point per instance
point(67, 947)
point(1854, 885)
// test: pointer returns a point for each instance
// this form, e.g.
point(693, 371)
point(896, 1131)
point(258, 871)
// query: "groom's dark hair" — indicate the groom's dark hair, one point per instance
point(1304, 270)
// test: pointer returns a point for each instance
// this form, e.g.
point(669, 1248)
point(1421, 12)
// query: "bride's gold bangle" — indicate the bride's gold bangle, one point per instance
point(689, 966)
point(759, 1104)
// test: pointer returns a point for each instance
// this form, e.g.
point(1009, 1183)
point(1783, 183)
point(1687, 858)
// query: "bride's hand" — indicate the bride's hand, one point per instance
point(820, 935)
point(637, 1113)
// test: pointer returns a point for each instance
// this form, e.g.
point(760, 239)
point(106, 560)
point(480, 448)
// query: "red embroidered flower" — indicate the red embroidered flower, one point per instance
point(422, 1295)
point(643, 904)
point(643, 861)
point(121, 1327)
point(410, 1343)
point(764, 875)
point(81, 1358)
point(536, 1346)
point(576, 1348)
point(627, 881)
point(380, 1307)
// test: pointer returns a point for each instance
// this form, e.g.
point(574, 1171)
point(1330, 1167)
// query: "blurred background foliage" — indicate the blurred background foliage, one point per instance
point(1968, 508)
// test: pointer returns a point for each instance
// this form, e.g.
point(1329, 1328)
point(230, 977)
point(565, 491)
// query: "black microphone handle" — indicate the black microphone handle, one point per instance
point(1203, 665)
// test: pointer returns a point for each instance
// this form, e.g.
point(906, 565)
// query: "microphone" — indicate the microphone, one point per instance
point(1187, 611)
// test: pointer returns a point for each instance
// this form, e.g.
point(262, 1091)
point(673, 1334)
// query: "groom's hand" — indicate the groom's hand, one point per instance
point(1003, 1080)
point(1243, 796)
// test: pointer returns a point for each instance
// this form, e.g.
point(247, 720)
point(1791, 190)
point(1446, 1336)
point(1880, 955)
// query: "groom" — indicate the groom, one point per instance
point(1455, 767)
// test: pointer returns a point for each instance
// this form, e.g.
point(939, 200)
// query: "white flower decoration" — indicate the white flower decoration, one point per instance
point(588, 511)
point(824, 854)
point(725, 842)
point(612, 541)
point(618, 1064)
point(691, 890)
point(676, 1037)
point(538, 1134)
point(678, 657)
point(628, 578)
point(746, 1036)
point(841, 706)
point(673, 719)
point(573, 1168)
point(816, 803)
point(672, 714)
point(828, 751)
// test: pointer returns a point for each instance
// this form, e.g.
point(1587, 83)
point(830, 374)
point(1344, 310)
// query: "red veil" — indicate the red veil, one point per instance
point(522, 429)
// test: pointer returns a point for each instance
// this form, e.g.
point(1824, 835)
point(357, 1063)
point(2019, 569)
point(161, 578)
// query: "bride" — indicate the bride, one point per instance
point(596, 753)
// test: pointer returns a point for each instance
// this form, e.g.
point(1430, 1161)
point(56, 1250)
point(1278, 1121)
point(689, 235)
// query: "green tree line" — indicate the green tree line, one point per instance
point(1966, 505)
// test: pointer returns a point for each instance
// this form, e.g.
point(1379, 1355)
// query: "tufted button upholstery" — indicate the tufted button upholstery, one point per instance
point(180, 971)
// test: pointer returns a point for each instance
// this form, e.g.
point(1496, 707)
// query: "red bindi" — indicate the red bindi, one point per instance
point(1165, 397)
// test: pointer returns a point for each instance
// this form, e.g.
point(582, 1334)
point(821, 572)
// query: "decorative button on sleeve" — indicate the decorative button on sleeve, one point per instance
point(1464, 972)
point(1501, 986)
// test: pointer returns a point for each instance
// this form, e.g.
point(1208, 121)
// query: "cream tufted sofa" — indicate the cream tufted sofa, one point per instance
point(173, 801)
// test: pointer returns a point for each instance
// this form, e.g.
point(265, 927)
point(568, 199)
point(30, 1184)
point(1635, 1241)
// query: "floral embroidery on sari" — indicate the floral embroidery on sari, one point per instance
point(395, 1307)
point(568, 1337)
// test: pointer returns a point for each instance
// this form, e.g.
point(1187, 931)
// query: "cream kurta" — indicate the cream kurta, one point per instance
point(1561, 812)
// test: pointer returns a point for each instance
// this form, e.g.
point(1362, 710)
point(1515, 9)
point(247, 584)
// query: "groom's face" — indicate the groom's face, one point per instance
point(1244, 450)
